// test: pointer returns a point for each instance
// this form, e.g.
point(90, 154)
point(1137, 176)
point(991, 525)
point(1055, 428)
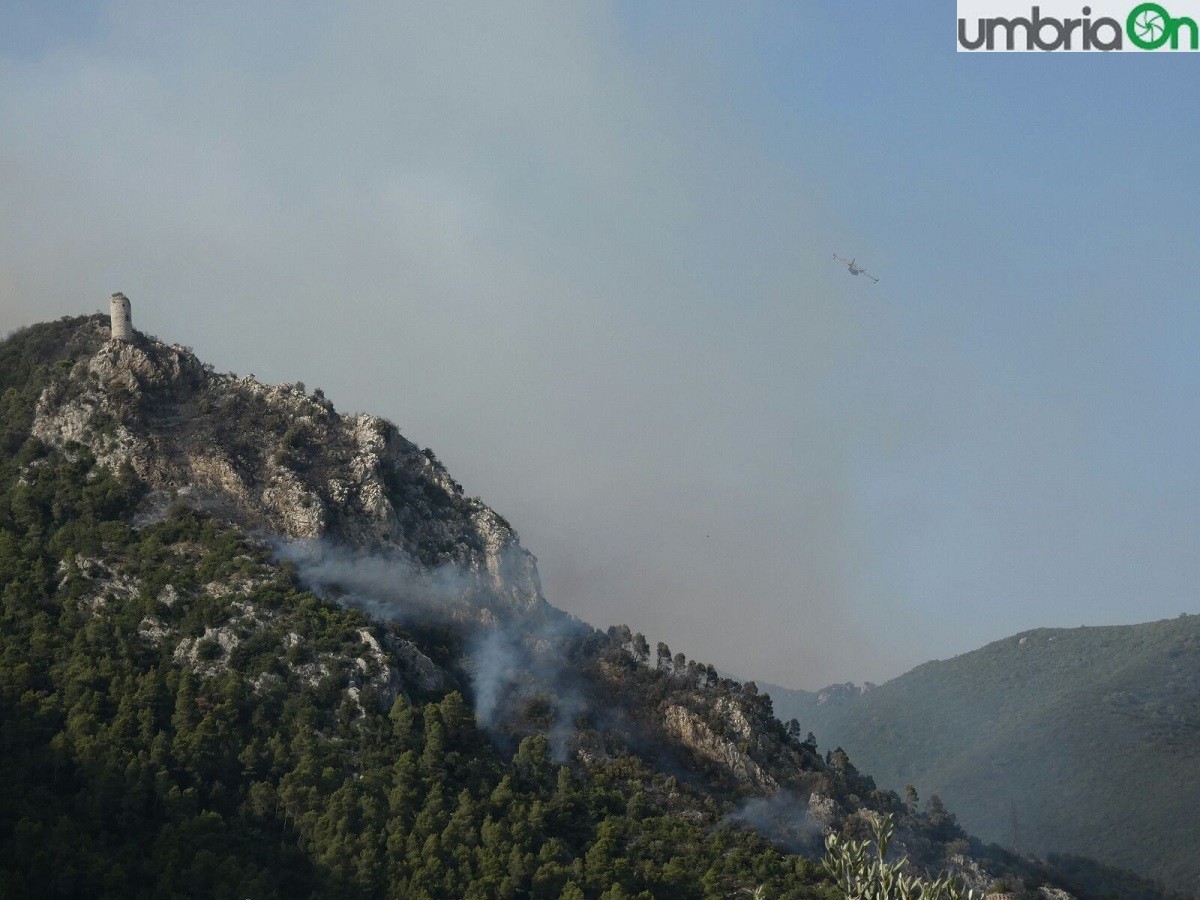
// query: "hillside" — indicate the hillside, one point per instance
point(1083, 740)
point(252, 647)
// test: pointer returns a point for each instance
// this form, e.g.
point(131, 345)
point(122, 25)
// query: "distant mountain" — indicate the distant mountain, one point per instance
point(1083, 740)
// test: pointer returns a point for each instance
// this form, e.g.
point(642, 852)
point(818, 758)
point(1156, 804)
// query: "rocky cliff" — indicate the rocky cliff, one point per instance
point(276, 459)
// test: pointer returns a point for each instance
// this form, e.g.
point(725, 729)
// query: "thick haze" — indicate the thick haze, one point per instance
point(583, 252)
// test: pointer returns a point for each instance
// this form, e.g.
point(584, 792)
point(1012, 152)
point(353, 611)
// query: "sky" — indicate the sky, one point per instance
point(584, 252)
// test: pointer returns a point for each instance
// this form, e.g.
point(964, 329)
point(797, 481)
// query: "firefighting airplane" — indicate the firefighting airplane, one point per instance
point(854, 268)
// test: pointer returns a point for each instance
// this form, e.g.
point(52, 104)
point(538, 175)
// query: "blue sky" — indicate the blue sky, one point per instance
point(584, 252)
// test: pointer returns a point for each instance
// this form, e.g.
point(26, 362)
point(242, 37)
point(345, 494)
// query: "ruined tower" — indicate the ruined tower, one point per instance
point(122, 318)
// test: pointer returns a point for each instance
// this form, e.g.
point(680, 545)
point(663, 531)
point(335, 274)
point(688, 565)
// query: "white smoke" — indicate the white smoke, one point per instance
point(518, 664)
point(387, 586)
point(783, 818)
point(522, 675)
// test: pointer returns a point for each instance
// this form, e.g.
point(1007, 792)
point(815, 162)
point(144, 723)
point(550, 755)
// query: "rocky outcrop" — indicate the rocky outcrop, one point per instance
point(839, 693)
point(385, 662)
point(822, 810)
point(731, 751)
point(275, 458)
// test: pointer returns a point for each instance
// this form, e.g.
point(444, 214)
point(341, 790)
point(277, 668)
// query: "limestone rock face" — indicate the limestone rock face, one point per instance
point(822, 810)
point(731, 751)
point(276, 459)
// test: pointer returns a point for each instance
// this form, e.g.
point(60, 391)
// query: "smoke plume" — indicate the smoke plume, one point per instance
point(387, 586)
point(785, 819)
point(519, 665)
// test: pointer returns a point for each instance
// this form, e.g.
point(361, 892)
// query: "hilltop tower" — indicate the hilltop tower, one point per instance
point(122, 318)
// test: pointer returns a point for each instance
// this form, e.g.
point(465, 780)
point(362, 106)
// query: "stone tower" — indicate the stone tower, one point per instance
point(122, 318)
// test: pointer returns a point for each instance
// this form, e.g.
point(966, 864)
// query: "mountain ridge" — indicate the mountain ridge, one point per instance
point(314, 699)
point(277, 459)
point(1109, 701)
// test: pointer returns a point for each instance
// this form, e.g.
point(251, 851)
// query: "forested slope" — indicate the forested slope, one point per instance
point(1082, 740)
point(182, 715)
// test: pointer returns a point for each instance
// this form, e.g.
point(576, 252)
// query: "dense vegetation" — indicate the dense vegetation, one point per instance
point(1082, 741)
point(125, 773)
point(862, 869)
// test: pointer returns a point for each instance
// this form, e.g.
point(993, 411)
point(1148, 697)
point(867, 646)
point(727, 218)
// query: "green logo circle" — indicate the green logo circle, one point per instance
point(1148, 25)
